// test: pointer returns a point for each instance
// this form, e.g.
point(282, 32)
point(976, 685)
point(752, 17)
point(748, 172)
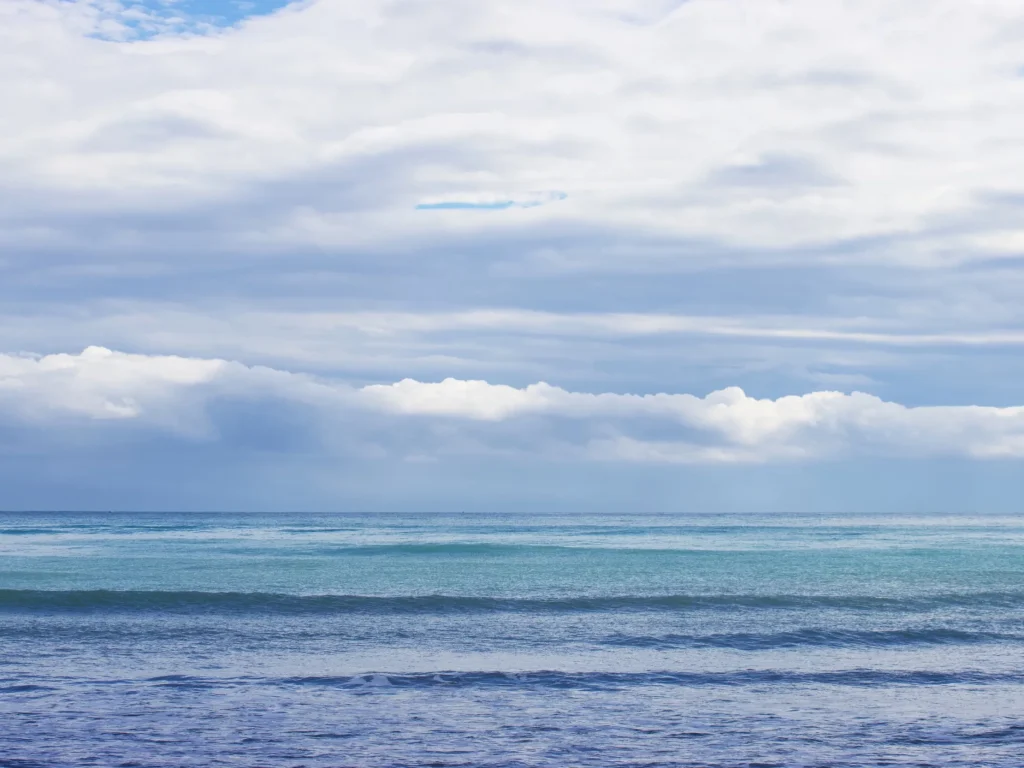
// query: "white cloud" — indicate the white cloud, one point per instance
point(614, 195)
point(418, 419)
point(99, 383)
point(756, 124)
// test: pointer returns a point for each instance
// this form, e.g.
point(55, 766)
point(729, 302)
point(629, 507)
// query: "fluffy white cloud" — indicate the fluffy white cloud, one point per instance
point(421, 419)
point(856, 130)
point(99, 383)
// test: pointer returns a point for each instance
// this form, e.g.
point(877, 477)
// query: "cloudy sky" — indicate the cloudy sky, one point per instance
point(569, 254)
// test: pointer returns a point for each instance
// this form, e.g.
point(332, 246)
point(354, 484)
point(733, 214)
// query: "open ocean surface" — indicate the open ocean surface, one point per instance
point(526, 640)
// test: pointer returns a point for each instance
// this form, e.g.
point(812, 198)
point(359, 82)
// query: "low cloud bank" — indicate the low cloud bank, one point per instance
point(184, 397)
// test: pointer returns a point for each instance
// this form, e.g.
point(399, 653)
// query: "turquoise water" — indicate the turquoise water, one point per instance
point(525, 640)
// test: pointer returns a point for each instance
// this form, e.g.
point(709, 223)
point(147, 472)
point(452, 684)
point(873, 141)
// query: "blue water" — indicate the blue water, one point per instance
point(525, 640)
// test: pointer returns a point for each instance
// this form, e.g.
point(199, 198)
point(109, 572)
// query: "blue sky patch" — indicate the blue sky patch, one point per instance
point(151, 18)
point(224, 12)
point(531, 201)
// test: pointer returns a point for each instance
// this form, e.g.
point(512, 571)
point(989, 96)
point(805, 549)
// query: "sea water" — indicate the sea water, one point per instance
point(518, 640)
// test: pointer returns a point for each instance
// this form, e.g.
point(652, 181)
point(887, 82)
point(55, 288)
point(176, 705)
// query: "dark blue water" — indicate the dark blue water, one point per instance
point(528, 640)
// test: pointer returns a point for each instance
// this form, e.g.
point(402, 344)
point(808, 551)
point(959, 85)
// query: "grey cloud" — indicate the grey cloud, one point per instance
point(142, 133)
point(775, 171)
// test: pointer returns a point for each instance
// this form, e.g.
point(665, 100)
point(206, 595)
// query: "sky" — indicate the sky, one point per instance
point(566, 255)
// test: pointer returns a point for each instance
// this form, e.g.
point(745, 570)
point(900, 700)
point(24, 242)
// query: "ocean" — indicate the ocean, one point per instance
point(513, 640)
